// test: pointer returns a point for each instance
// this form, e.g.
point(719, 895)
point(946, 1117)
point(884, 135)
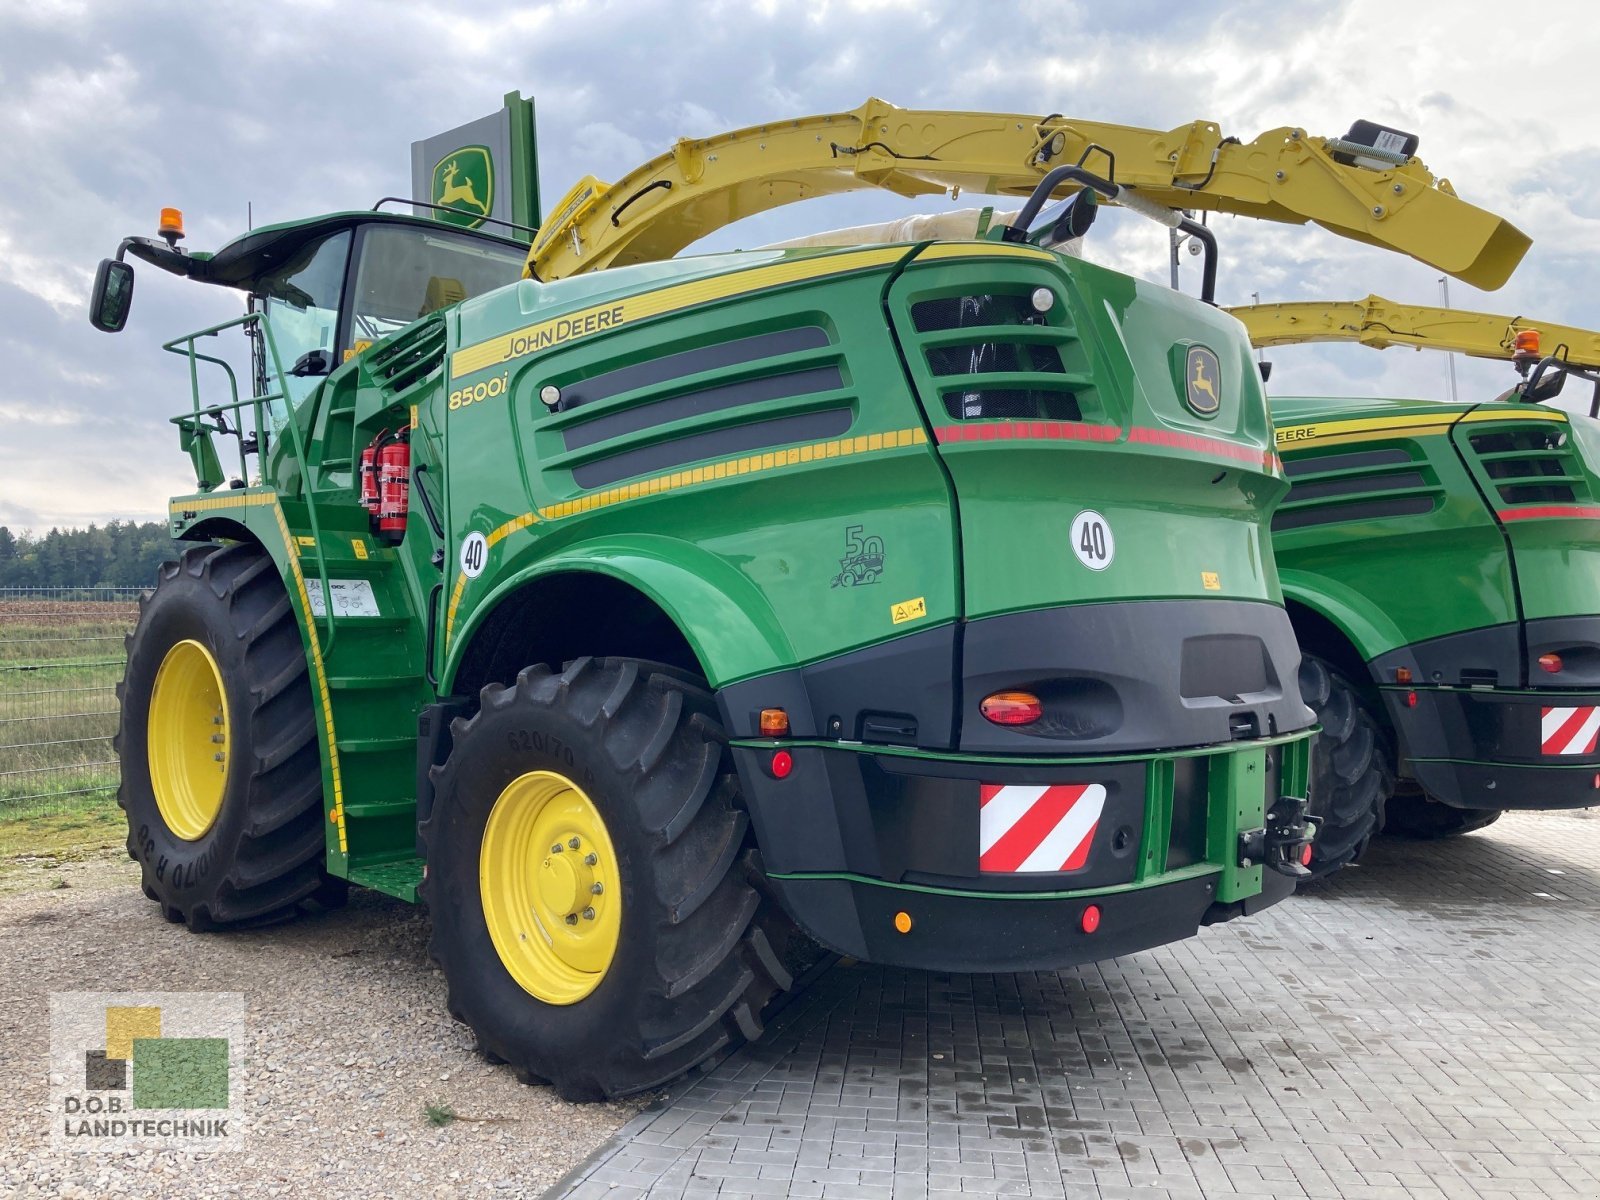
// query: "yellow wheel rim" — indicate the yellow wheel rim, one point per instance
point(551, 892)
point(189, 741)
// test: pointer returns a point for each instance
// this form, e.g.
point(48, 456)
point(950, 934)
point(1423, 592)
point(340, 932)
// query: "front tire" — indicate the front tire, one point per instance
point(1351, 775)
point(221, 775)
point(1418, 816)
point(610, 989)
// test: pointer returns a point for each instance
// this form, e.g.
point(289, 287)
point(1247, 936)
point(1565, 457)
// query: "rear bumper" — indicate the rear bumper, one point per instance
point(1115, 678)
point(851, 838)
point(1486, 748)
point(951, 932)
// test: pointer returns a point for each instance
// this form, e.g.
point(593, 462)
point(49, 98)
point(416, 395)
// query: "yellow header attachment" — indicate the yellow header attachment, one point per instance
point(1284, 175)
point(1381, 323)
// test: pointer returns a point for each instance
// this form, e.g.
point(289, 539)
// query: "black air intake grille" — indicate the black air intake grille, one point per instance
point(1529, 464)
point(1007, 359)
point(414, 357)
point(1360, 485)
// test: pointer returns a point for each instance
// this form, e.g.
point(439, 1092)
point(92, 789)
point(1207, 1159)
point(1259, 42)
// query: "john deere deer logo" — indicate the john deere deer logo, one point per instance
point(463, 181)
point(1202, 380)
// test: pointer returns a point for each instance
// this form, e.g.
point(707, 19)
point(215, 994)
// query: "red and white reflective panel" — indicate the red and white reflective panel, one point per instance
point(1037, 827)
point(1569, 730)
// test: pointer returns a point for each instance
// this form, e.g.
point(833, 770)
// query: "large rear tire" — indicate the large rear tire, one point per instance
point(595, 895)
point(1418, 816)
point(1351, 773)
point(221, 775)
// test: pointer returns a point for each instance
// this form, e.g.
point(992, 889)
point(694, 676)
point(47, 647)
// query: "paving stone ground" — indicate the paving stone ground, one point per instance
point(1427, 1025)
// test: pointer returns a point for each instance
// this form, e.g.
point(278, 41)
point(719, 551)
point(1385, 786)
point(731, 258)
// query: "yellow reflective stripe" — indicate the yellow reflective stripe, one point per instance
point(257, 499)
point(984, 250)
point(621, 310)
point(455, 603)
point(1336, 432)
point(1533, 414)
point(676, 480)
point(237, 500)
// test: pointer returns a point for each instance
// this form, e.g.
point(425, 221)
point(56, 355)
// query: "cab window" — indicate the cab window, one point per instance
point(301, 301)
point(406, 272)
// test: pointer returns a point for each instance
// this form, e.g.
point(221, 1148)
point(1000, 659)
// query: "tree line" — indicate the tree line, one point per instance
point(116, 554)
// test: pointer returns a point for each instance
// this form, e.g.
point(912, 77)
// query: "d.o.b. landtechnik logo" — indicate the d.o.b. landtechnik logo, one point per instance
point(148, 1070)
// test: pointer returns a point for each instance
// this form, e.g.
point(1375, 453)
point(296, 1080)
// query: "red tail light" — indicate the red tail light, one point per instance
point(1012, 708)
point(1550, 662)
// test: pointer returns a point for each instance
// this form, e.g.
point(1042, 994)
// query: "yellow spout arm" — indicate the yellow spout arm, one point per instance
point(1381, 323)
point(703, 184)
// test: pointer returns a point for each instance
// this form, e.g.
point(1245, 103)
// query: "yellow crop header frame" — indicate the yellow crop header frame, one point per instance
point(1285, 175)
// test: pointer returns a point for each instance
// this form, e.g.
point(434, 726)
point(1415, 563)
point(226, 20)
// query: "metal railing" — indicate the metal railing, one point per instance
point(61, 655)
point(193, 427)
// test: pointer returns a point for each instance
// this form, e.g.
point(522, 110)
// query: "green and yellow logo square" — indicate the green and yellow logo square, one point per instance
point(463, 182)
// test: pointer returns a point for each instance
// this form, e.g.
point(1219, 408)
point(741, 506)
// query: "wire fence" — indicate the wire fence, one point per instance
point(61, 655)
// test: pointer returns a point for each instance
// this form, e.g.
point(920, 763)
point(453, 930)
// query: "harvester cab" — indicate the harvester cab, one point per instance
point(1441, 563)
point(911, 592)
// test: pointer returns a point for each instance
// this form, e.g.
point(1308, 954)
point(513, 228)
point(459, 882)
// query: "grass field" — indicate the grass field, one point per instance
point(60, 659)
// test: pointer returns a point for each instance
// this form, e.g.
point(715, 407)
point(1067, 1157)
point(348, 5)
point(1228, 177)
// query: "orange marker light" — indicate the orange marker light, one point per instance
point(1012, 708)
point(1402, 674)
point(1550, 662)
point(902, 922)
point(171, 224)
point(1526, 342)
point(774, 722)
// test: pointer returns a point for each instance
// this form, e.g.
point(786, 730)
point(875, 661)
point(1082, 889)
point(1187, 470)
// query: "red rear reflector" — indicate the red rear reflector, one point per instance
point(782, 764)
point(1550, 662)
point(774, 723)
point(1305, 855)
point(1411, 699)
point(1012, 708)
point(1091, 918)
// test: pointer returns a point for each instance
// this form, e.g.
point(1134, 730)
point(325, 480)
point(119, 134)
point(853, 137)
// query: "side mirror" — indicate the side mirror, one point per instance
point(1544, 386)
point(313, 362)
point(113, 295)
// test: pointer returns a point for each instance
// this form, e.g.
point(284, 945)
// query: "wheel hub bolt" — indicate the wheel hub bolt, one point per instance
point(597, 889)
point(590, 859)
point(574, 843)
point(571, 918)
point(557, 848)
point(588, 914)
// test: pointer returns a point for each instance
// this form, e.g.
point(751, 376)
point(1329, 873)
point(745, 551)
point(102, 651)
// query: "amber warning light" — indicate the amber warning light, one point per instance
point(170, 225)
point(1526, 343)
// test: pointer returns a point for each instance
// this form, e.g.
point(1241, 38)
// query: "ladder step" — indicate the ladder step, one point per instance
point(377, 745)
point(363, 683)
point(396, 877)
point(380, 808)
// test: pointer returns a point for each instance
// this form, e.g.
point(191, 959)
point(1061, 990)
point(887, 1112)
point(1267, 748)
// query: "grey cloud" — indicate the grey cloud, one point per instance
point(115, 110)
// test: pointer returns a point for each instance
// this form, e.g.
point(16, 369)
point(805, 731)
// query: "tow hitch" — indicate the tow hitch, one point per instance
point(1284, 844)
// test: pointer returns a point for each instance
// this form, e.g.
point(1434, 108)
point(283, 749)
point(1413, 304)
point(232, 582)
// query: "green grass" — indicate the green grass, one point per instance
point(59, 665)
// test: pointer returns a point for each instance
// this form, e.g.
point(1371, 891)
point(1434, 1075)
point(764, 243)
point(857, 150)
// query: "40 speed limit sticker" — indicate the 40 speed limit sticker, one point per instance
point(1092, 541)
point(474, 555)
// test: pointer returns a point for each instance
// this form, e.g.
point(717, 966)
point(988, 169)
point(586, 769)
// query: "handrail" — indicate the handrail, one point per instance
point(297, 443)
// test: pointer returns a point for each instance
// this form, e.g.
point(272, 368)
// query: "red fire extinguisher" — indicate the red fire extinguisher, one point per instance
point(386, 483)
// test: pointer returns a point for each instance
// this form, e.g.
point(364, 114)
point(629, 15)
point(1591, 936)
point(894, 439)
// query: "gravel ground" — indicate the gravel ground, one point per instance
point(348, 1042)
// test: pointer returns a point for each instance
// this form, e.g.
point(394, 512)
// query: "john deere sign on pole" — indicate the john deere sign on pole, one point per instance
point(488, 168)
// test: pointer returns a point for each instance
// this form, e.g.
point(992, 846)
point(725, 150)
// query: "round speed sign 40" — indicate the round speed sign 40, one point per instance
point(1092, 541)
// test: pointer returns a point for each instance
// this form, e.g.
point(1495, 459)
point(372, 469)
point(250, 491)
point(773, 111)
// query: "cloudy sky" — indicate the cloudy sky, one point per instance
point(113, 110)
